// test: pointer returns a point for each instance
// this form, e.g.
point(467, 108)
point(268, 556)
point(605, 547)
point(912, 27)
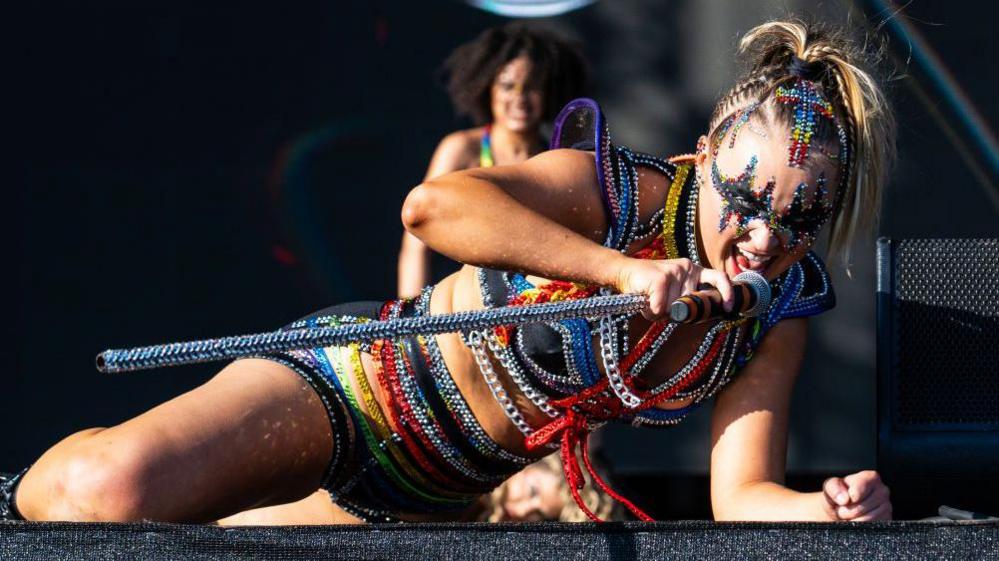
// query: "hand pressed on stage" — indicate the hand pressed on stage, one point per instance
point(858, 497)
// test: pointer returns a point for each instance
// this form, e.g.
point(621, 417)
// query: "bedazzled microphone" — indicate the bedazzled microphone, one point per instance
point(752, 296)
point(748, 301)
point(227, 348)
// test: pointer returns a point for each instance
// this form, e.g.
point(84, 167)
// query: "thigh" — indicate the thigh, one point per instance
point(254, 435)
point(316, 509)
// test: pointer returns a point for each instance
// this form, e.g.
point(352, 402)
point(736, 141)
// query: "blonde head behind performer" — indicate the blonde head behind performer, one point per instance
point(540, 492)
point(418, 428)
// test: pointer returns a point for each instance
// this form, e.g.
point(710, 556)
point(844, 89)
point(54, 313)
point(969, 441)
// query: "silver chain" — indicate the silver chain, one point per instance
point(611, 367)
point(513, 369)
point(477, 345)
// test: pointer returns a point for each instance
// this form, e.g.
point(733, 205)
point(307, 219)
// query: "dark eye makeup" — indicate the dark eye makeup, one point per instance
point(800, 220)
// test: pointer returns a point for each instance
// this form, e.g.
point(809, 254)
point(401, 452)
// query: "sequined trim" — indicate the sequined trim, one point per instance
point(724, 348)
point(418, 454)
point(8, 490)
point(672, 202)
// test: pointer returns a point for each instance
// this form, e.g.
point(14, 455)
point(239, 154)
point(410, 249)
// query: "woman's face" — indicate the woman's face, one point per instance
point(531, 495)
point(755, 211)
point(517, 100)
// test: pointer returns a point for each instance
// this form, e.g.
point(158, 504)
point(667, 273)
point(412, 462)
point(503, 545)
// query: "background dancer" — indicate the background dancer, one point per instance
point(410, 429)
point(508, 80)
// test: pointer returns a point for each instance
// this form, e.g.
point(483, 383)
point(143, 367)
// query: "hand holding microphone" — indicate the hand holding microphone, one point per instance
point(750, 295)
point(667, 281)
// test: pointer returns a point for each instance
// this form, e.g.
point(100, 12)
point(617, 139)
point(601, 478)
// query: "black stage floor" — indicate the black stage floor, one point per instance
point(494, 542)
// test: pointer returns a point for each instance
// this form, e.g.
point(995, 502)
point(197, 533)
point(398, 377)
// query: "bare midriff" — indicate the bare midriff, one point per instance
point(460, 292)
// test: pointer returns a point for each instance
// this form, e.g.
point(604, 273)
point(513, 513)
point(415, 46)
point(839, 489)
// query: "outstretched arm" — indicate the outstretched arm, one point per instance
point(543, 217)
point(749, 435)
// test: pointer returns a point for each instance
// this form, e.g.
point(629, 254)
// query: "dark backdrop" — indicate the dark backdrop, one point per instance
point(185, 170)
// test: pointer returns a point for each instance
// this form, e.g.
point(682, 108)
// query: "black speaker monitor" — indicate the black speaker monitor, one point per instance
point(938, 371)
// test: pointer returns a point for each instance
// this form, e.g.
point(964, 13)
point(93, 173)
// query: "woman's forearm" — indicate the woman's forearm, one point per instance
point(519, 226)
point(414, 266)
point(771, 501)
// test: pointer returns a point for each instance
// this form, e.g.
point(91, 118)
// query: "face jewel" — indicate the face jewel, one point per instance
point(803, 219)
point(741, 120)
point(722, 131)
point(808, 105)
point(762, 133)
point(740, 201)
point(800, 220)
point(735, 122)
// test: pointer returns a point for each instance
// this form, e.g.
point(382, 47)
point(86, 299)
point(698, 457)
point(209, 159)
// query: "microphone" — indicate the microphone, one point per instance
point(752, 296)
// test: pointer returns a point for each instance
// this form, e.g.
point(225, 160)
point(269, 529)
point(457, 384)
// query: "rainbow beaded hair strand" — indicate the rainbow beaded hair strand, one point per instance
point(809, 105)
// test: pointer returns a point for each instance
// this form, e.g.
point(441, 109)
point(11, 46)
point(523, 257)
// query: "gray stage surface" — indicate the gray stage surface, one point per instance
point(494, 542)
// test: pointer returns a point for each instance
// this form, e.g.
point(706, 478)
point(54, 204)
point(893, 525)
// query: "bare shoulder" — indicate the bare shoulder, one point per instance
point(563, 170)
point(651, 180)
point(780, 353)
point(456, 151)
point(564, 166)
point(766, 382)
point(463, 143)
point(653, 186)
point(577, 166)
point(567, 157)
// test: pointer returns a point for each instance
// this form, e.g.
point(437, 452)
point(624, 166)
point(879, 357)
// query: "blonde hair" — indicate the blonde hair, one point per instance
point(601, 505)
point(857, 98)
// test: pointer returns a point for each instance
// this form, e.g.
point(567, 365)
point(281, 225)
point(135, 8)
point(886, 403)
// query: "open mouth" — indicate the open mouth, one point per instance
point(744, 260)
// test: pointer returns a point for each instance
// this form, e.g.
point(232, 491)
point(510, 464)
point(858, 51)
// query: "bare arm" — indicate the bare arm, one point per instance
point(749, 434)
point(543, 217)
point(546, 217)
point(414, 258)
point(414, 266)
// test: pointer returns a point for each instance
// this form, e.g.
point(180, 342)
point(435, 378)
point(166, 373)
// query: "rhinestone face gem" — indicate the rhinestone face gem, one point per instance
point(809, 104)
point(797, 224)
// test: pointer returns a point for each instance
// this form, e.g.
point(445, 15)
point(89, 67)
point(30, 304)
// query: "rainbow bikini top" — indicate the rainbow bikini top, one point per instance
point(486, 148)
point(555, 364)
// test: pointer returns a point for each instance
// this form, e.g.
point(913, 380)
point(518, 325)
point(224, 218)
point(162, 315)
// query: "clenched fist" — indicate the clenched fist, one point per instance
point(859, 497)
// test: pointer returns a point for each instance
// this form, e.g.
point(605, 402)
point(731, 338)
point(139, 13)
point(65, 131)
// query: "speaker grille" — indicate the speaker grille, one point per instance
point(946, 310)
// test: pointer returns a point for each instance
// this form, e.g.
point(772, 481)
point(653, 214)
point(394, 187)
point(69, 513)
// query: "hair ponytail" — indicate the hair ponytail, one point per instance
point(783, 51)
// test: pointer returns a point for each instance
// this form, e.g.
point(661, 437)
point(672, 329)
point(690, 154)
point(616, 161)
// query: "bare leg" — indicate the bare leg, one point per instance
point(254, 435)
point(317, 508)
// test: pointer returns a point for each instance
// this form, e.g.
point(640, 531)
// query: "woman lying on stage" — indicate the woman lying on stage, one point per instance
point(417, 428)
point(508, 80)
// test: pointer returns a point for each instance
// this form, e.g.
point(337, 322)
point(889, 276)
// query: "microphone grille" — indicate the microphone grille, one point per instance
point(758, 284)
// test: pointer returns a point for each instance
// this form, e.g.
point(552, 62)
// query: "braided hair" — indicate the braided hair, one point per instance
point(780, 52)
